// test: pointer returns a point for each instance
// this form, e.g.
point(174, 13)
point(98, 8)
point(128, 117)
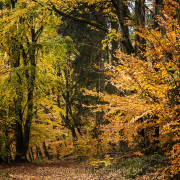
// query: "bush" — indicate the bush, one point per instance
point(142, 165)
point(3, 150)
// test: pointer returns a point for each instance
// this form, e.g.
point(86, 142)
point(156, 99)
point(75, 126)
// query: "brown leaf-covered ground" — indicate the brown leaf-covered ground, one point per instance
point(61, 170)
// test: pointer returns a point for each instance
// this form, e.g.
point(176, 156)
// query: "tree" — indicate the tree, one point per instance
point(20, 34)
point(154, 85)
point(88, 44)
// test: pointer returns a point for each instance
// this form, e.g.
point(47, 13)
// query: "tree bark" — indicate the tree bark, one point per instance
point(140, 43)
point(45, 151)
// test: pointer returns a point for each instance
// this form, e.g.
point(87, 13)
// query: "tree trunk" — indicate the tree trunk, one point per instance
point(39, 153)
point(29, 156)
point(178, 13)
point(45, 151)
point(123, 145)
point(122, 12)
point(32, 154)
point(114, 25)
point(140, 43)
point(140, 139)
point(14, 53)
point(30, 78)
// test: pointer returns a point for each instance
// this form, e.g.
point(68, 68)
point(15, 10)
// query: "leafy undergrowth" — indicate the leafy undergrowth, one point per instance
point(68, 169)
point(144, 165)
point(135, 166)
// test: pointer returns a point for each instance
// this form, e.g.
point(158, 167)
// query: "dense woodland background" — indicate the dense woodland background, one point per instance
point(89, 78)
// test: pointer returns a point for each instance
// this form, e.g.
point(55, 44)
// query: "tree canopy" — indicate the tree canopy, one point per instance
point(89, 78)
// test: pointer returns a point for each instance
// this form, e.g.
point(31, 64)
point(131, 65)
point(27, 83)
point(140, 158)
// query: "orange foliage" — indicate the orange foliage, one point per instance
point(150, 87)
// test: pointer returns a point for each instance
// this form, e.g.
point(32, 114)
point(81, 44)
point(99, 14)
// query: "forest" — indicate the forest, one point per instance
point(91, 81)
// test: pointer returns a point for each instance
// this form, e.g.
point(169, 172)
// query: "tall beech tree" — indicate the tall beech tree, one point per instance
point(21, 26)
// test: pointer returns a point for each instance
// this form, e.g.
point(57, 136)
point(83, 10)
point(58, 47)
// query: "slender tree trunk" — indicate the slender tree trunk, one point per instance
point(140, 43)
point(155, 143)
point(140, 139)
point(14, 53)
point(45, 151)
point(122, 12)
point(32, 154)
point(114, 25)
point(39, 153)
point(123, 145)
point(31, 84)
point(178, 13)
point(29, 156)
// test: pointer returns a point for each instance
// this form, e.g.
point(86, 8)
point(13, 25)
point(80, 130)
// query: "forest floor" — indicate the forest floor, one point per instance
point(61, 170)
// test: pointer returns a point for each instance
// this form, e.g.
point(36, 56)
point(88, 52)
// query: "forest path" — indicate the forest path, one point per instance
point(58, 170)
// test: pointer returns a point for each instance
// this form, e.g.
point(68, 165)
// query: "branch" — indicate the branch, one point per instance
point(99, 26)
point(38, 32)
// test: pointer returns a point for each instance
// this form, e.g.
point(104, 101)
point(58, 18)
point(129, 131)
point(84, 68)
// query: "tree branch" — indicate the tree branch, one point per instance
point(99, 26)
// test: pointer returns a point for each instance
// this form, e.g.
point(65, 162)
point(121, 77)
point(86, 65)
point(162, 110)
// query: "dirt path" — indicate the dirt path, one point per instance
point(54, 171)
point(60, 170)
